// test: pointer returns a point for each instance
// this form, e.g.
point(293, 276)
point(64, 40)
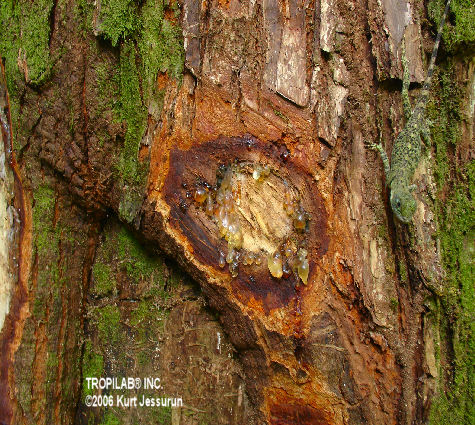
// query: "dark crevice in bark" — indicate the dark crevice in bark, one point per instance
point(52, 22)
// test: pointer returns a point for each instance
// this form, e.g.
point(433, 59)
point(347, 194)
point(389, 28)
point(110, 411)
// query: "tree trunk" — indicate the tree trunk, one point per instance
point(186, 195)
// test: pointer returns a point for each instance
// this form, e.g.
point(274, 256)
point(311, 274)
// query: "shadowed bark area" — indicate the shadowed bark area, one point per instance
point(197, 204)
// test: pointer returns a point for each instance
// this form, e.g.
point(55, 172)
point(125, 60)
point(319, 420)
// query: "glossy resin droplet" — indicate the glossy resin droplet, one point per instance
point(256, 174)
point(233, 268)
point(303, 270)
point(222, 259)
point(302, 265)
point(200, 195)
point(230, 256)
point(300, 219)
point(209, 207)
point(286, 270)
point(274, 263)
point(248, 258)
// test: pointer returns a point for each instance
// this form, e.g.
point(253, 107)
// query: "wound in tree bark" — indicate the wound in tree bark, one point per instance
point(253, 211)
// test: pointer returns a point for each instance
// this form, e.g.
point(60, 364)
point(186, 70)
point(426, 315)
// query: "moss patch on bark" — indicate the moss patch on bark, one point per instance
point(463, 16)
point(456, 215)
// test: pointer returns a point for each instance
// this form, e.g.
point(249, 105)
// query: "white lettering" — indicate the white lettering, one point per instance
point(94, 383)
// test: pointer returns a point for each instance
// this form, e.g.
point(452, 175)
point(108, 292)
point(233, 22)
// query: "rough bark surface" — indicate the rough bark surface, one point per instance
point(133, 107)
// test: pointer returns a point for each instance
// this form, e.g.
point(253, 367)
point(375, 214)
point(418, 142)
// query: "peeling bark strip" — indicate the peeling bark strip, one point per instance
point(11, 333)
point(264, 221)
point(286, 70)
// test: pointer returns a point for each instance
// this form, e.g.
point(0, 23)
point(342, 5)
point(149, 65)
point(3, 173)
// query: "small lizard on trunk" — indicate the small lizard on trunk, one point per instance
point(407, 146)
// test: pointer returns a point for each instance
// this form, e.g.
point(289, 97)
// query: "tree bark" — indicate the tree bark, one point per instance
point(126, 119)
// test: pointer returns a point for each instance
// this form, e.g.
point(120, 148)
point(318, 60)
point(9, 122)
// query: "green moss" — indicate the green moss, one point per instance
point(445, 132)
point(46, 241)
point(92, 366)
point(43, 212)
point(121, 247)
point(148, 44)
point(161, 415)
point(24, 46)
point(52, 362)
point(108, 87)
point(402, 270)
point(141, 313)
point(139, 320)
point(110, 419)
point(51, 370)
point(25, 39)
point(456, 217)
point(147, 320)
point(463, 13)
point(44, 203)
point(24, 359)
point(131, 110)
point(107, 320)
point(281, 115)
point(143, 358)
point(84, 14)
point(104, 282)
point(394, 303)
point(160, 44)
point(164, 415)
point(138, 262)
point(118, 19)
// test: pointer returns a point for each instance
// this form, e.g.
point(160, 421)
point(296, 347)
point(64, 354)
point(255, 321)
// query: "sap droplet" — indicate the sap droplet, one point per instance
point(220, 196)
point(222, 259)
point(233, 233)
point(286, 270)
point(200, 195)
point(293, 262)
point(256, 174)
point(230, 256)
point(302, 254)
point(274, 263)
point(303, 270)
point(226, 220)
point(226, 182)
point(233, 268)
point(300, 219)
point(289, 203)
point(248, 258)
point(287, 250)
point(209, 208)
point(228, 200)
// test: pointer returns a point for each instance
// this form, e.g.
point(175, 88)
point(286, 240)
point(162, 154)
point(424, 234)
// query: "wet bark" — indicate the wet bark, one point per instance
point(119, 260)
